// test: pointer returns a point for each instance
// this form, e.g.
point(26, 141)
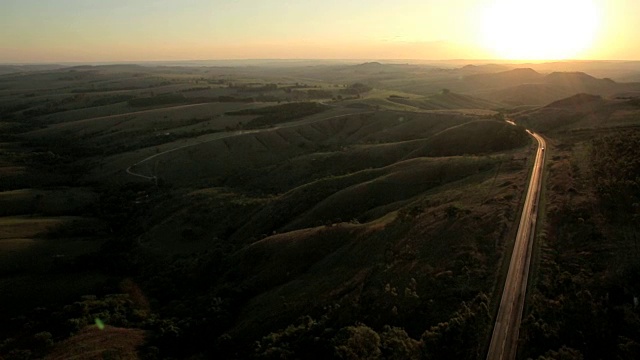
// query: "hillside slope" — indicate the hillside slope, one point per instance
point(374, 215)
point(446, 101)
point(581, 111)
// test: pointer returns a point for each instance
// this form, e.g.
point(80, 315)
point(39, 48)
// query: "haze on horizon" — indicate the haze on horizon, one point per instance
point(36, 31)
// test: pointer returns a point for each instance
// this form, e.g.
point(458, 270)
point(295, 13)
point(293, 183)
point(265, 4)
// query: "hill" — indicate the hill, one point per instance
point(222, 160)
point(576, 102)
point(447, 100)
point(526, 94)
point(504, 79)
point(295, 257)
point(513, 87)
point(486, 68)
point(549, 88)
point(579, 82)
point(581, 111)
point(12, 69)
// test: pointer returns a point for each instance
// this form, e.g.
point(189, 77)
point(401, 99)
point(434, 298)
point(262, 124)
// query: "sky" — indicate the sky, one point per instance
point(36, 31)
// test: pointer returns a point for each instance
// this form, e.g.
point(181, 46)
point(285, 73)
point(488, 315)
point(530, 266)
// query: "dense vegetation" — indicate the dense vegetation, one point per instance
point(616, 165)
point(585, 301)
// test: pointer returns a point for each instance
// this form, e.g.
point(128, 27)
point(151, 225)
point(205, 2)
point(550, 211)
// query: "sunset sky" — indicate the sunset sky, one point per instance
point(141, 30)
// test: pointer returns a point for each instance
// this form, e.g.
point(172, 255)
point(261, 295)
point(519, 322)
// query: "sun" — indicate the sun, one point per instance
point(539, 29)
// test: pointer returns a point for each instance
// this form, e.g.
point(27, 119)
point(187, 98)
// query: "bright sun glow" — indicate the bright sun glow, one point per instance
point(540, 29)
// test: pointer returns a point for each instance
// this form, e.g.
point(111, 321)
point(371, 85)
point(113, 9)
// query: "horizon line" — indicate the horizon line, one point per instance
point(405, 61)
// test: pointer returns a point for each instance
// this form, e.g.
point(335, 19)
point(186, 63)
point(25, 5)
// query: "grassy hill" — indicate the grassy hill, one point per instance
point(447, 101)
point(504, 79)
point(223, 161)
point(139, 129)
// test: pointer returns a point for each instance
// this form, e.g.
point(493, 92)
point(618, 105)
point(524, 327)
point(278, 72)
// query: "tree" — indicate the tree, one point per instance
point(357, 88)
point(564, 353)
point(396, 344)
point(357, 343)
point(463, 336)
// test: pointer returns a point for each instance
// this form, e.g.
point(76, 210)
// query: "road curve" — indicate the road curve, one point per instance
point(504, 340)
point(130, 169)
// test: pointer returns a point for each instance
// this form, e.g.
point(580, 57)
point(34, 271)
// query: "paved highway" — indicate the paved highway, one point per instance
point(504, 341)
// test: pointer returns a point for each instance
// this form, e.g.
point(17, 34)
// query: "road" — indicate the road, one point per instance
point(130, 169)
point(504, 340)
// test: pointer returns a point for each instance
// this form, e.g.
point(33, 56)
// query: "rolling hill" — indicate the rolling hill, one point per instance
point(503, 79)
point(447, 101)
point(502, 84)
point(526, 94)
point(223, 160)
point(549, 88)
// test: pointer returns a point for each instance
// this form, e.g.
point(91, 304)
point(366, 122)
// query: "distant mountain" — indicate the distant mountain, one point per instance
point(528, 87)
point(371, 64)
point(622, 71)
point(375, 67)
point(482, 69)
point(115, 68)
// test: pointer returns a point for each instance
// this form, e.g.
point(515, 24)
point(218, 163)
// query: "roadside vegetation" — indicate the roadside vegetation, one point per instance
point(589, 263)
